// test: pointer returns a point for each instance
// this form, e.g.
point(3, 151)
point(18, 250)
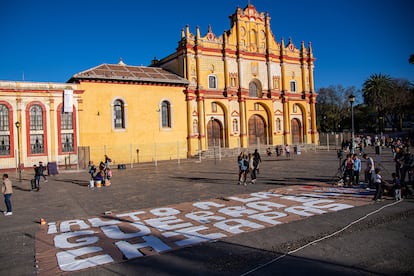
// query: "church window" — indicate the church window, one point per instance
point(165, 114)
point(293, 86)
point(4, 130)
point(212, 82)
point(278, 125)
point(67, 140)
point(255, 89)
point(119, 114)
point(37, 145)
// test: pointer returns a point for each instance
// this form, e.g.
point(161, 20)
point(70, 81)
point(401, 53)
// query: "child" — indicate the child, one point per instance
point(397, 186)
point(378, 185)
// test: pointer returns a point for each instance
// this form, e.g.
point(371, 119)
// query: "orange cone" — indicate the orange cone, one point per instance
point(42, 221)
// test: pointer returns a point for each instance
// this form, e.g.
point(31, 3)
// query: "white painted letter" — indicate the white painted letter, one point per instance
point(69, 261)
point(132, 250)
point(234, 225)
point(203, 216)
point(61, 240)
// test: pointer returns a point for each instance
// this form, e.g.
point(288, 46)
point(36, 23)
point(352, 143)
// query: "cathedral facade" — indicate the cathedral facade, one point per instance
point(245, 88)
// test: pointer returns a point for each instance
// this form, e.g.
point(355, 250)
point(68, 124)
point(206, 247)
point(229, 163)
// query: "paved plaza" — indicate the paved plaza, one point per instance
point(379, 244)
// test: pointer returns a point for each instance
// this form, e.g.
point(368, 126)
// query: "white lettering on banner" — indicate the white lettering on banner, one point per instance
point(206, 205)
point(167, 223)
point(234, 225)
point(131, 251)
point(51, 228)
point(165, 212)
point(204, 216)
point(264, 205)
point(304, 211)
point(61, 240)
point(81, 244)
point(237, 211)
point(193, 236)
point(69, 260)
point(265, 195)
point(65, 226)
point(331, 207)
point(298, 198)
point(269, 217)
point(113, 231)
point(132, 215)
point(255, 197)
point(97, 222)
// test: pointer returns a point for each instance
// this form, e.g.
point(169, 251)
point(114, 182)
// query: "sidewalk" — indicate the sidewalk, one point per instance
point(66, 196)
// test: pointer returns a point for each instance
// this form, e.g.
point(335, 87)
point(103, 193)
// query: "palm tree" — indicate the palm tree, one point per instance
point(375, 91)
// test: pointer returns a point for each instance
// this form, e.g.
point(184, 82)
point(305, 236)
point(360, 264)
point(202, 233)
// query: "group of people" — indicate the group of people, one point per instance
point(248, 164)
point(402, 177)
point(279, 150)
point(103, 173)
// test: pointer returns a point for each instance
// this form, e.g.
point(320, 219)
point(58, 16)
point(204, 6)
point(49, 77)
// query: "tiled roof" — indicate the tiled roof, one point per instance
point(122, 72)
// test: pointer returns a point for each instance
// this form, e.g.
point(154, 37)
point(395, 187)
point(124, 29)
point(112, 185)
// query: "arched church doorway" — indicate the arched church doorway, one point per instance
point(257, 130)
point(215, 133)
point(296, 128)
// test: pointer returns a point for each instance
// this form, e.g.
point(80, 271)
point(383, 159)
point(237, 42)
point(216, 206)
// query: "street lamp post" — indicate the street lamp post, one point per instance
point(214, 141)
point(19, 169)
point(351, 101)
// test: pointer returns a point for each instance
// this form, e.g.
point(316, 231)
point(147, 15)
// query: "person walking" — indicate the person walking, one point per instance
point(37, 177)
point(252, 168)
point(42, 171)
point(7, 190)
point(257, 159)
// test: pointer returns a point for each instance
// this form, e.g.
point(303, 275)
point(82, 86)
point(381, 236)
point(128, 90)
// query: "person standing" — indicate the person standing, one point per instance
point(7, 190)
point(378, 185)
point(397, 186)
point(369, 169)
point(42, 171)
point(287, 151)
point(243, 168)
point(356, 169)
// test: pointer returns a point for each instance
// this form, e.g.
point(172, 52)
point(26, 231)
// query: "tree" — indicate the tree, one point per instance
point(332, 108)
point(375, 91)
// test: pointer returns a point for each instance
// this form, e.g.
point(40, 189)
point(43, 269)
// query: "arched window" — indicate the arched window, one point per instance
point(36, 117)
point(119, 114)
point(4, 130)
point(37, 141)
point(255, 89)
point(165, 114)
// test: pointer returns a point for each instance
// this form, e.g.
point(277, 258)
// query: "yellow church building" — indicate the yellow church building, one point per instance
point(245, 89)
point(239, 89)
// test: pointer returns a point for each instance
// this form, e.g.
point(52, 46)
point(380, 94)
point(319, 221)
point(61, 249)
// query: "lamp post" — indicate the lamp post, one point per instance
point(19, 169)
point(351, 101)
point(214, 141)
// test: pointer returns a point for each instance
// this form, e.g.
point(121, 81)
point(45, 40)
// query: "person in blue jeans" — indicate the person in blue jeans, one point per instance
point(7, 190)
point(38, 173)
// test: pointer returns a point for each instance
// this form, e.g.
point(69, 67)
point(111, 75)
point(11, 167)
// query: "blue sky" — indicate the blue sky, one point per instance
point(50, 40)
